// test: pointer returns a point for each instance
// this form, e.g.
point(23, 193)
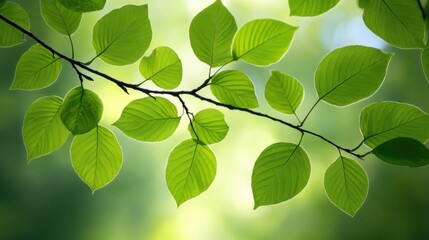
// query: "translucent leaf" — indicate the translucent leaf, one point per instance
point(11, 36)
point(149, 119)
point(235, 88)
point(191, 169)
point(43, 131)
point(211, 34)
point(425, 61)
point(83, 5)
point(82, 110)
point(283, 92)
point(350, 74)
point(37, 68)
point(59, 18)
point(123, 35)
point(262, 41)
point(163, 67)
point(310, 7)
point(383, 121)
point(363, 3)
point(96, 157)
point(403, 152)
point(280, 173)
point(398, 22)
point(210, 126)
point(346, 185)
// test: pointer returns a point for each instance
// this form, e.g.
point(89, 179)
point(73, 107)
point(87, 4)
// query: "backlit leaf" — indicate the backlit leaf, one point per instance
point(284, 93)
point(383, 121)
point(149, 119)
point(235, 88)
point(96, 157)
point(280, 173)
point(350, 74)
point(346, 185)
point(425, 61)
point(211, 33)
point(190, 170)
point(63, 20)
point(123, 35)
point(163, 67)
point(11, 36)
point(37, 68)
point(82, 110)
point(310, 7)
point(262, 41)
point(210, 126)
point(83, 5)
point(43, 131)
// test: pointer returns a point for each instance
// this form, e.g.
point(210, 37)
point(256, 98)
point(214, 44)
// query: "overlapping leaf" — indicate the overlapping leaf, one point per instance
point(403, 152)
point(149, 119)
point(163, 67)
point(96, 157)
point(123, 35)
point(37, 68)
point(398, 22)
point(211, 34)
point(283, 92)
point(209, 125)
point(235, 88)
point(63, 20)
point(383, 121)
point(280, 173)
point(43, 131)
point(11, 36)
point(190, 170)
point(351, 73)
point(83, 5)
point(346, 185)
point(310, 7)
point(262, 41)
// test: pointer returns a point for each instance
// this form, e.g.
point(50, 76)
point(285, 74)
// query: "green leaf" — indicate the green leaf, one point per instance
point(211, 34)
point(96, 157)
point(59, 18)
point(37, 68)
point(149, 119)
point(383, 121)
point(280, 173)
point(234, 88)
point(398, 22)
point(425, 61)
point(346, 185)
point(11, 36)
point(262, 41)
point(210, 126)
point(163, 67)
point(363, 3)
point(83, 5)
point(283, 92)
point(43, 131)
point(123, 35)
point(190, 170)
point(82, 110)
point(310, 7)
point(350, 74)
point(2, 3)
point(403, 152)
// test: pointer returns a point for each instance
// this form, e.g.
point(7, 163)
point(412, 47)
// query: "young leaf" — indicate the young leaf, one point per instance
point(96, 157)
point(190, 170)
point(11, 36)
point(403, 152)
point(163, 67)
point(43, 131)
point(280, 173)
point(211, 33)
point(310, 7)
point(350, 74)
point(383, 121)
point(346, 185)
point(83, 5)
point(425, 61)
point(123, 35)
point(283, 92)
point(59, 18)
point(210, 126)
point(262, 41)
point(149, 119)
point(398, 22)
point(235, 88)
point(37, 68)
point(82, 110)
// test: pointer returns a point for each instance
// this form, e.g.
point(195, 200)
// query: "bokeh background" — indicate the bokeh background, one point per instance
point(47, 200)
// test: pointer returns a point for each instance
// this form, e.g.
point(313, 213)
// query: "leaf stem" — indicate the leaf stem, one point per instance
point(309, 112)
point(71, 45)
